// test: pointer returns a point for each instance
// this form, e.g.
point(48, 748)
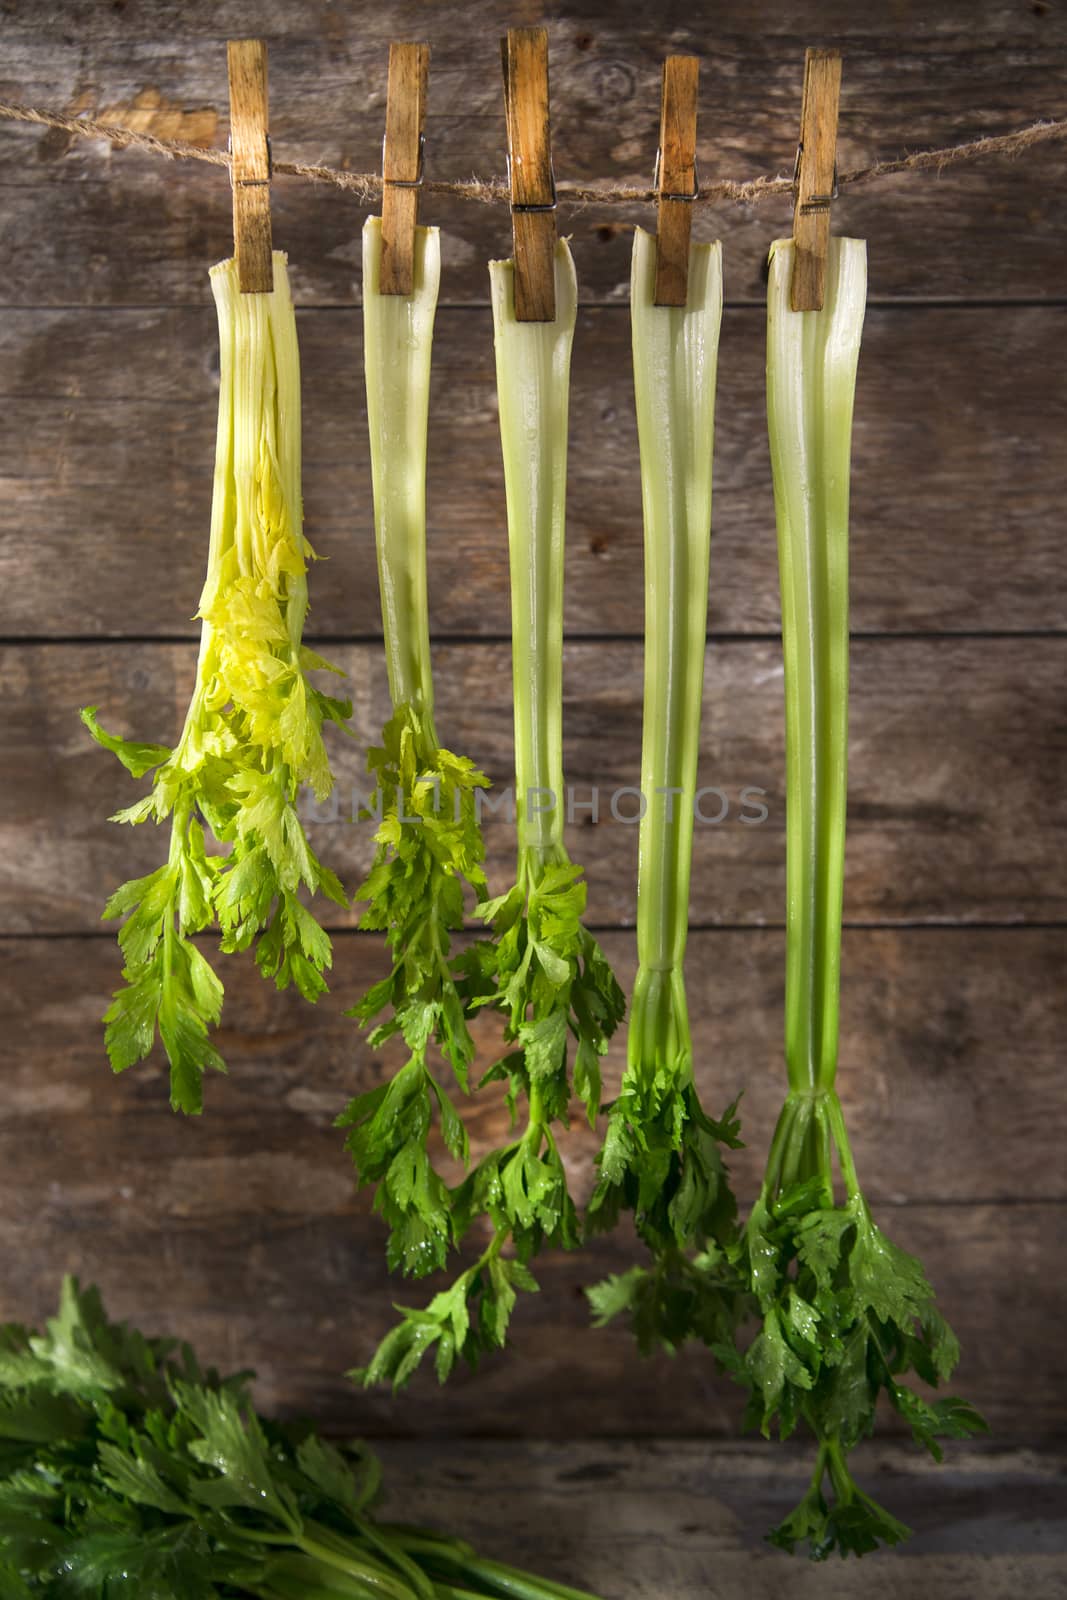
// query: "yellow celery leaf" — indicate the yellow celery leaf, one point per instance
point(249, 607)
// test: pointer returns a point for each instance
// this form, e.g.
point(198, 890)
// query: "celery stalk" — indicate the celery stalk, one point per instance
point(675, 353)
point(397, 344)
point(533, 377)
point(252, 734)
point(844, 1313)
point(131, 1469)
point(661, 1154)
point(811, 379)
point(429, 841)
point(542, 970)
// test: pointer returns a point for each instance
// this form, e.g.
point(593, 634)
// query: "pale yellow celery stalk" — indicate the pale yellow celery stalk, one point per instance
point(257, 577)
point(253, 732)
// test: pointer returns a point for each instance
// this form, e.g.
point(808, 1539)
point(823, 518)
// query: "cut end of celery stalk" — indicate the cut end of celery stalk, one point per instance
point(846, 278)
point(228, 269)
point(426, 272)
point(705, 276)
point(502, 285)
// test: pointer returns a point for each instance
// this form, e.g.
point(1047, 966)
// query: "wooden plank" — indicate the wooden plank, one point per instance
point(640, 1520)
point(973, 69)
point(249, 1211)
point(956, 775)
point(958, 483)
point(933, 1025)
point(88, 245)
point(301, 1294)
point(213, 19)
point(270, 1259)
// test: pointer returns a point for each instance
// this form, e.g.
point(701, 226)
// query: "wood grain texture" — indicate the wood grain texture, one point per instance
point(816, 170)
point(524, 56)
point(402, 165)
point(957, 774)
point(959, 475)
point(250, 172)
point(930, 1027)
point(640, 1521)
point(677, 178)
point(247, 1214)
point(913, 80)
point(244, 1224)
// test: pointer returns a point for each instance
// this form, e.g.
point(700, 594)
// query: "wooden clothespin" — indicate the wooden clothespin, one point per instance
point(815, 180)
point(250, 164)
point(676, 178)
point(402, 157)
point(524, 54)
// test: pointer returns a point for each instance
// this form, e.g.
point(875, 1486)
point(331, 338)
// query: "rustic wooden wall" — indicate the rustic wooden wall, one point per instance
point(242, 1229)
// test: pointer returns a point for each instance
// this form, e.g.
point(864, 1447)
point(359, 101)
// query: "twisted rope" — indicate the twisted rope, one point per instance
point(367, 186)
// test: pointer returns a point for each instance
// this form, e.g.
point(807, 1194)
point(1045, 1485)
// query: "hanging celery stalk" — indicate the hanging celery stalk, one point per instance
point(543, 970)
point(252, 734)
point(661, 1158)
point(429, 842)
point(845, 1313)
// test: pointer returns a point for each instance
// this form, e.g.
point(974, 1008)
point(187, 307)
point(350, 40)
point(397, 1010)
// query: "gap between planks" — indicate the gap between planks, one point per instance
point(899, 303)
point(79, 641)
point(347, 931)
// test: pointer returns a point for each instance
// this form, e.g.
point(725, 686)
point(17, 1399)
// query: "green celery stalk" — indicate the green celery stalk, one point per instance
point(661, 1155)
point(252, 734)
point(533, 382)
point(844, 1312)
point(397, 349)
point(542, 970)
point(811, 379)
point(429, 840)
point(661, 1152)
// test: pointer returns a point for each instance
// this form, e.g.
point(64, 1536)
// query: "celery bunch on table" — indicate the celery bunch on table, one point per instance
point(128, 1469)
point(429, 840)
point(252, 734)
point(542, 970)
point(662, 1157)
point(845, 1314)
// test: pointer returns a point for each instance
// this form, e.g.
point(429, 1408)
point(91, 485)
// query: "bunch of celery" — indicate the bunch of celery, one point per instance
point(429, 842)
point(252, 734)
point(126, 1469)
point(844, 1313)
point(542, 970)
point(661, 1158)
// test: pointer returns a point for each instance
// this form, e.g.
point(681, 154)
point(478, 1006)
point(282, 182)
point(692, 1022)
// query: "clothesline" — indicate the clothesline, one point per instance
point(368, 186)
